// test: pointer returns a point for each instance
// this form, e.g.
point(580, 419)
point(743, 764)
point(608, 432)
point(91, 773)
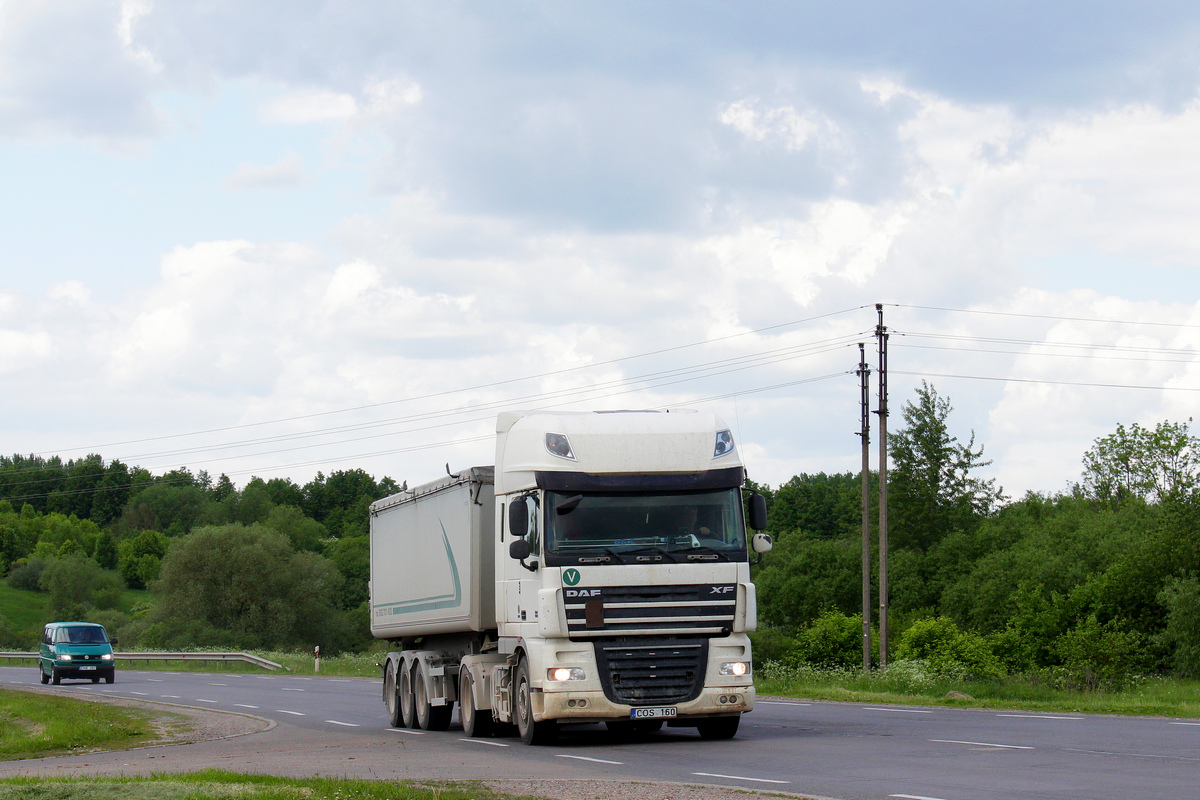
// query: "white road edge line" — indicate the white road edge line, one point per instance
point(411, 733)
point(476, 741)
point(901, 710)
point(914, 797)
point(984, 744)
point(779, 703)
point(586, 758)
point(1184, 723)
point(1036, 716)
point(293, 713)
point(347, 724)
point(736, 777)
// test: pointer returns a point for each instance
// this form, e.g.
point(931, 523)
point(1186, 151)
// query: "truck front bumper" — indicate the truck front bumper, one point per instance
point(594, 706)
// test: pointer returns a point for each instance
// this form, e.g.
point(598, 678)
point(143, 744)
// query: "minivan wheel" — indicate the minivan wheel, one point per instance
point(42, 674)
point(55, 678)
point(95, 679)
point(109, 678)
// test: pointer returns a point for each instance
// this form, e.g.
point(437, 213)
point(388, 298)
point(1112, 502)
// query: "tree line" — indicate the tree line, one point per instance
point(1091, 586)
point(271, 565)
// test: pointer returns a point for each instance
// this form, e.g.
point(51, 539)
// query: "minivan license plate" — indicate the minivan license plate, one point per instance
point(83, 668)
point(653, 713)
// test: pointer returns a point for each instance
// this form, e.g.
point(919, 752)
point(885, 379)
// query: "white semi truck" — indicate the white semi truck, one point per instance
point(600, 572)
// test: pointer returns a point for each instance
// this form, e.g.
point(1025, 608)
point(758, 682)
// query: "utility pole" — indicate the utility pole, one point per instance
point(882, 336)
point(864, 380)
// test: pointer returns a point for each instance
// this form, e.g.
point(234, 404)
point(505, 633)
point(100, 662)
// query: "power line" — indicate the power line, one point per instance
point(1044, 316)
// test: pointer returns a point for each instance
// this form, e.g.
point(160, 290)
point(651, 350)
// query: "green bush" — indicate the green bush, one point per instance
point(1181, 599)
point(948, 650)
point(833, 639)
point(771, 644)
point(1104, 656)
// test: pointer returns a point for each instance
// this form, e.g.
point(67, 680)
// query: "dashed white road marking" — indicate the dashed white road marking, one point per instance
point(984, 744)
point(902, 710)
point(202, 700)
point(586, 758)
point(293, 713)
point(1185, 723)
point(287, 689)
point(914, 797)
point(347, 724)
point(479, 741)
point(736, 777)
point(170, 697)
point(403, 730)
point(779, 703)
point(244, 705)
point(143, 694)
point(154, 680)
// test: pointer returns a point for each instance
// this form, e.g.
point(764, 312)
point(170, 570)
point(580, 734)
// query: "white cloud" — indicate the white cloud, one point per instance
point(287, 173)
point(305, 106)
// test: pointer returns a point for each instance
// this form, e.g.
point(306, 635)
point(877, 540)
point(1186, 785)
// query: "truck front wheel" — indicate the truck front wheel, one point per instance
point(719, 728)
point(531, 732)
point(476, 723)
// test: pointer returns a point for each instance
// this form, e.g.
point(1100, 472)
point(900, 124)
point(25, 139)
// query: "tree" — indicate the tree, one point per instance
point(246, 586)
point(1150, 465)
point(931, 489)
point(70, 581)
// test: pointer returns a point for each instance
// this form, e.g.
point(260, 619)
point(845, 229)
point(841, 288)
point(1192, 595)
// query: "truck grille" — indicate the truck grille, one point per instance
point(610, 611)
point(652, 672)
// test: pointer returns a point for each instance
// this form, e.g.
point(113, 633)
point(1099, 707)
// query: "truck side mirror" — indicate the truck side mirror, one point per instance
point(518, 518)
point(762, 543)
point(518, 549)
point(758, 512)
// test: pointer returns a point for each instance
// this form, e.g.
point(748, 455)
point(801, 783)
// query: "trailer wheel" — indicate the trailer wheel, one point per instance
point(429, 717)
point(477, 723)
point(719, 728)
point(392, 697)
point(408, 717)
point(531, 732)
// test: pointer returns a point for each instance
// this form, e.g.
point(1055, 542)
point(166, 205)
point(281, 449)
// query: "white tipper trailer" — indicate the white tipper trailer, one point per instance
point(600, 572)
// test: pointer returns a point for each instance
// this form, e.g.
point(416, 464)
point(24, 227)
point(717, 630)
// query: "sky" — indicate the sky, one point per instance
point(277, 238)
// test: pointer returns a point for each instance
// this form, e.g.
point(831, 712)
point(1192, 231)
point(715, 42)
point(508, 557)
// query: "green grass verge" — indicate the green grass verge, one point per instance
point(214, 784)
point(34, 724)
point(913, 683)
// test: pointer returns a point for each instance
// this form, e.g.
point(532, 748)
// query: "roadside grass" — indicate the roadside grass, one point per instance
point(36, 724)
point(216, 785)
point(914, 683)
point(24, 608)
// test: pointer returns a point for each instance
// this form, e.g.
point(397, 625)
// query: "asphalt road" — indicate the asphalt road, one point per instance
point(838, 750)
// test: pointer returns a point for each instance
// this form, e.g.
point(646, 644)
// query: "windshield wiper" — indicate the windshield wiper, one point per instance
point(657, 550)
point(697, 550)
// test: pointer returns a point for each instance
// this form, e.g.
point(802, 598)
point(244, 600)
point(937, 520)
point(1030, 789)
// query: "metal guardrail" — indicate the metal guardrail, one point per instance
point(165, 657)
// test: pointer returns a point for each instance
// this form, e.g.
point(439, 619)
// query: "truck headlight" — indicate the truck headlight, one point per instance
point(735, 668)
point(561, 674)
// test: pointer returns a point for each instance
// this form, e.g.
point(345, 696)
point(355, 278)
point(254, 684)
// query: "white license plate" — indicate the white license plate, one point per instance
point(653, 713)
point(81, 669)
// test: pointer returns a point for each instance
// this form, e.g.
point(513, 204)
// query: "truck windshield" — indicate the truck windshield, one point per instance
point(631, 527)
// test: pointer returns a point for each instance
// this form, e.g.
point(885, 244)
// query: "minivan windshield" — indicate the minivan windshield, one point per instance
point(631, 527)
point(81, 634)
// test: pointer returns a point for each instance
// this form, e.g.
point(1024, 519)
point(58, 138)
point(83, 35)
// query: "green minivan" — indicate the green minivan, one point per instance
point(78, 650)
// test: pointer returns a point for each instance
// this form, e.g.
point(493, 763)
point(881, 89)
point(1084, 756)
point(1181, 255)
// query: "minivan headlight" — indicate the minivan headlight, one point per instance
point(65, 657)
point(106, 657)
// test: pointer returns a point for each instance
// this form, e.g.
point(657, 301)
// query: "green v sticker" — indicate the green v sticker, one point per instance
point(571, 577)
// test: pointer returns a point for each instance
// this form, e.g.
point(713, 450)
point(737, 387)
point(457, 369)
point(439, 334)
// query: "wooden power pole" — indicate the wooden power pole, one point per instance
point(864, 381)
point(881, 336)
